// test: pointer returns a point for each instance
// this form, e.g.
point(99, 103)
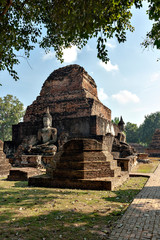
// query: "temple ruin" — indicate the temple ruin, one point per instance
point(69, 131)
point(153, 149)
point(5, 166)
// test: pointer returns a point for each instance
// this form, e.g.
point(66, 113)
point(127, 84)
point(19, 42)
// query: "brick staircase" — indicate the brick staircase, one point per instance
point(86, 169)
point(85, 164)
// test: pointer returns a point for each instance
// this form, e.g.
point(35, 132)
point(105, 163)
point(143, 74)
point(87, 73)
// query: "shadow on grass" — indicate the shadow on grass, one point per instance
point(18, 194)
point(56, 225)
point(123, 196)
point(23, 214)
point(17, 202)
point(128, 191)
point(66, 225)
point(24, 196)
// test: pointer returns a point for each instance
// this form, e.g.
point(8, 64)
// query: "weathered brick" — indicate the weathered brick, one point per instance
point(4, 162)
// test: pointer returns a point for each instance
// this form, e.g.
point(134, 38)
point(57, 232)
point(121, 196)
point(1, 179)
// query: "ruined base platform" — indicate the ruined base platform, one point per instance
point(153, 149)
point(23, 173)
point(17, 175)
point(108, 183)
point(153, 152)
point(82, 164)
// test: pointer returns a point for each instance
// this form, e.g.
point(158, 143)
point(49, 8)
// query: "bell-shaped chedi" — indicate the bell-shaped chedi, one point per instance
point(71, 96)
point(69, 92)
point(4, 162)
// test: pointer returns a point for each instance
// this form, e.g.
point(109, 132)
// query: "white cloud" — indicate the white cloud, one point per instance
point(70, 54)
point(48, 56)
point(155, 77)
point(108, 67)
point(102, 95)
point(125, 96)
point(111, 44)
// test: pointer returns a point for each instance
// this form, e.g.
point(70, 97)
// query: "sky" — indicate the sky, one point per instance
point(129, 84)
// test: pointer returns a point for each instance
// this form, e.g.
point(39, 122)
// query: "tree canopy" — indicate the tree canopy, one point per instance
point(148, 127)
point(11, 111)
point(131, 130)
point(116, 120)
point(67, 23)
point(143, 134)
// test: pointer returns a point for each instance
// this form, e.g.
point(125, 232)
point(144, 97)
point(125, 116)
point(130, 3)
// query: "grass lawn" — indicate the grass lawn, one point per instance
point(146, 167)
point(51, 214)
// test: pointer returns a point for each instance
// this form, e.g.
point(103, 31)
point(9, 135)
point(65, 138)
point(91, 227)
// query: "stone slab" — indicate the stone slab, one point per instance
point(92, 184)
point(20, 173)
point(17, 175)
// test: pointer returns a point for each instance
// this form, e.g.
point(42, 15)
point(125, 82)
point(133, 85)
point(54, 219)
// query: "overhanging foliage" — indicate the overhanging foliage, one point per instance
point(67, 23)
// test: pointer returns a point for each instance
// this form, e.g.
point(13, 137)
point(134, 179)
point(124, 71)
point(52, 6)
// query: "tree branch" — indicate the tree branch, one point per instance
point(25, 59)
point(9, 3)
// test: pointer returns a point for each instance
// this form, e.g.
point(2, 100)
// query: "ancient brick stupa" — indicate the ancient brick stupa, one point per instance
point(4, 162)
point(71, 95)
point(83, 133)
point(154, 148)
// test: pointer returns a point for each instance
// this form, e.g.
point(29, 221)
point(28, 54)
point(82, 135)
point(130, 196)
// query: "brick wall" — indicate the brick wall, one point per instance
point(69, 92)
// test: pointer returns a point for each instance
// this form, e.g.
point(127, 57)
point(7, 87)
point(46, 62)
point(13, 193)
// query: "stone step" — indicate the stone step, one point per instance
point(87, 165)
point(108, 183)
point(92, 158)
point(17, 175)
point(71, 157)
point(86, 156)
point(108, 156)
point(116, 172)
point(76, 174)
point(87, 174)
point(109, 172)
point(113, 164)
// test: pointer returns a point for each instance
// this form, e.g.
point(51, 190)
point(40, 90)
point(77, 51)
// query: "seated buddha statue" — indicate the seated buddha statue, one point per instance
point(46, 138)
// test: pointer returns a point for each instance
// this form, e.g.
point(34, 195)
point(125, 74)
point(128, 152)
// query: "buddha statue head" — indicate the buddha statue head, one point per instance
point(47, 119)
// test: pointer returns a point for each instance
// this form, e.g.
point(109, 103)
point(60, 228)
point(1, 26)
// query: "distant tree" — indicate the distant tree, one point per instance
point(132, 134)
point(11, 112)
point(115, 120)
point(148, 127)
point(67, 23)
